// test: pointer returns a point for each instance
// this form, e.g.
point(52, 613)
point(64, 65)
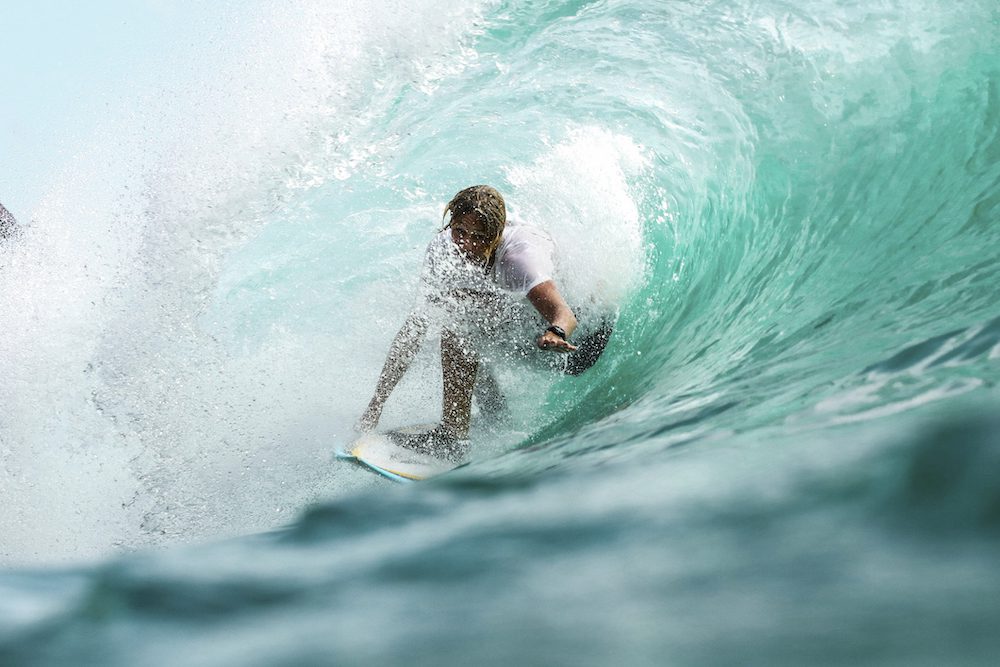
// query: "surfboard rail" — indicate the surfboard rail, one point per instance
point(384, 453)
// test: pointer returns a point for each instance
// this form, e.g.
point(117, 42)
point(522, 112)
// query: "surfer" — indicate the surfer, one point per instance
point(8, 226)
point(472, 269)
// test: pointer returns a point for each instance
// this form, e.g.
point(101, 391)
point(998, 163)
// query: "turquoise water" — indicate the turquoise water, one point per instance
point(789, 453)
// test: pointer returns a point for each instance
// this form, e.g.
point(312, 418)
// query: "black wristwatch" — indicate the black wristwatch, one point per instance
point(557, 330)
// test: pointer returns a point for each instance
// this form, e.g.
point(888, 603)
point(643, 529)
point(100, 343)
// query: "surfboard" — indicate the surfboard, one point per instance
point(386, 454)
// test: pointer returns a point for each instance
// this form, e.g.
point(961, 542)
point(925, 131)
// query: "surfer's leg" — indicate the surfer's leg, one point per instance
point(458, 368)
point(492, 403)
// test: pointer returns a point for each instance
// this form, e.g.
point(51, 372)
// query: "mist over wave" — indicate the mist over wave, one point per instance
point(128, 422)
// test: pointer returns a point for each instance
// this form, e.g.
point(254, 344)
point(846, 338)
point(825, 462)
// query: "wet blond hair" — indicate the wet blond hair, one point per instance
point(485, 202)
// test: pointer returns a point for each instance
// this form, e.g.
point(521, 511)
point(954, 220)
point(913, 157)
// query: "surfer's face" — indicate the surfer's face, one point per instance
point(469, 233)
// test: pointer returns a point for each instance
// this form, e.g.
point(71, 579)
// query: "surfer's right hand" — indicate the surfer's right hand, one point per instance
point(550, 341)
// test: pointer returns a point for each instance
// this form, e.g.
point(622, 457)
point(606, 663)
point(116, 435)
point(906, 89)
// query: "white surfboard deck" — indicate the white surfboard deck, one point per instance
point(379, 452)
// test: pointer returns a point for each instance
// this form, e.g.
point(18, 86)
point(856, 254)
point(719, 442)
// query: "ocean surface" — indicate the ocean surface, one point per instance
point(788, 455)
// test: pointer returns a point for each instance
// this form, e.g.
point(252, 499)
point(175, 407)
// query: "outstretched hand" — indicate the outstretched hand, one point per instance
point(553, 343)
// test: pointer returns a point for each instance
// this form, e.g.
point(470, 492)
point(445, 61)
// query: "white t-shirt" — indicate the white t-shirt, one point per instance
point(524, 260)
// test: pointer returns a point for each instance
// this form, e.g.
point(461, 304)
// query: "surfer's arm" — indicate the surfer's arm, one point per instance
point(404, 347)
point(549, 303)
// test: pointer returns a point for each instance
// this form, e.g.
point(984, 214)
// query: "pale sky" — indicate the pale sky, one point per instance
point(64, 62)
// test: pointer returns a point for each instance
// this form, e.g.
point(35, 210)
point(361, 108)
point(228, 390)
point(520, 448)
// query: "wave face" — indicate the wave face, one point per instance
point(787, 454)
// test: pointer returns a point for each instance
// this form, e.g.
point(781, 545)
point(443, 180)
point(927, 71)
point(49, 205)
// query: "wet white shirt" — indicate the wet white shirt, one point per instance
point(524, 260)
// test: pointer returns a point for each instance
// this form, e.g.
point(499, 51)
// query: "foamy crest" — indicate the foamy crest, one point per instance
point(125, 421)
point(582, 191)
